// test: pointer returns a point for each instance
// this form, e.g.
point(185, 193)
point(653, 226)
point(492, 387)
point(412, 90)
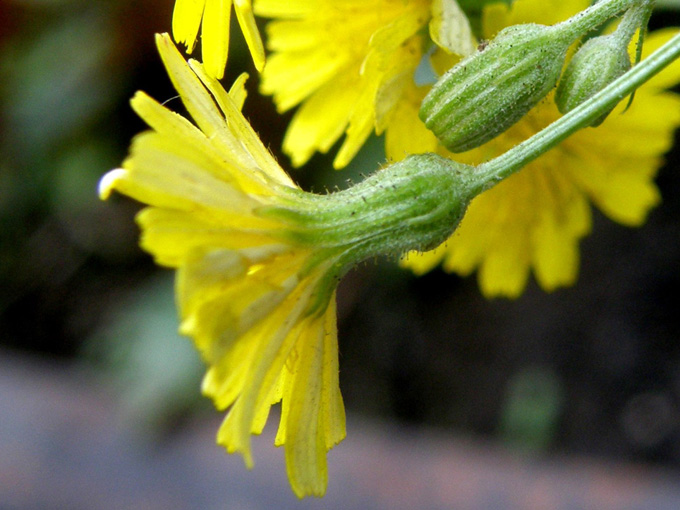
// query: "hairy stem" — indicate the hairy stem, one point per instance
point(497, 169)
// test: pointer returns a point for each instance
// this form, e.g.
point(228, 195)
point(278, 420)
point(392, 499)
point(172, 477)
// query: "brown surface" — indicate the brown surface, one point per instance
point(62, 446)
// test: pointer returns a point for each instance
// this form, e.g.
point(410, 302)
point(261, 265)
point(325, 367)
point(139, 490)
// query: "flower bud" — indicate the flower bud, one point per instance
point(489, 91)
point(600, 61)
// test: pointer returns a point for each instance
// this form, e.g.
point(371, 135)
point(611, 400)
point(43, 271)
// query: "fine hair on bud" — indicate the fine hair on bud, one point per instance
point(596, 64)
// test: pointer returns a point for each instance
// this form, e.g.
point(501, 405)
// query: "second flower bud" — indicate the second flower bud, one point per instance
point(600, 61)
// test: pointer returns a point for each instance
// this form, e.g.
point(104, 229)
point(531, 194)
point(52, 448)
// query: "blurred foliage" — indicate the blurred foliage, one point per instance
point(668, 4)
point(138, 350)
point(531, 409)
point(593, 369)
point(66, 68)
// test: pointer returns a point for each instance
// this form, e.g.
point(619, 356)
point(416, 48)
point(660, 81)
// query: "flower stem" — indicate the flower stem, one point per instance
point(595, 15)
point(492, 172)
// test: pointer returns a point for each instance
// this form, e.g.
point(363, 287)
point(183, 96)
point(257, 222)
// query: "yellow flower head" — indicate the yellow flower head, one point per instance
point(258, 259)
point(259, 308)
point(348, 62)
point(214, 16)
point(533, 221)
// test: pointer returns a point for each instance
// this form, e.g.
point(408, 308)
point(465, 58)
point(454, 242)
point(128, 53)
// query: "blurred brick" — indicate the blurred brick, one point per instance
point(63, 446)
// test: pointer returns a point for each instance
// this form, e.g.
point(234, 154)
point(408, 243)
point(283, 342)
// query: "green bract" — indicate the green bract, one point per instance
point(413, 204)
point(489, 91)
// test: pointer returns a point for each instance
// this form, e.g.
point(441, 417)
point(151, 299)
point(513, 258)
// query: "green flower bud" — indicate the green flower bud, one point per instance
point(600, 61)
point(489, 91)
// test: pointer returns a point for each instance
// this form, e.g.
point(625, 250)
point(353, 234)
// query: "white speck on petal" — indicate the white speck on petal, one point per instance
point(107, 183)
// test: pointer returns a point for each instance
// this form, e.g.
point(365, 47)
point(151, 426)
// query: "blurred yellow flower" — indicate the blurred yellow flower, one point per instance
point(214, 16)
point(347, 63)
point(533, 221)
point(258, 301)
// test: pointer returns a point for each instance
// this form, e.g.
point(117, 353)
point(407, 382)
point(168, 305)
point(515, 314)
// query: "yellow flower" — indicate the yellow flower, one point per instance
point(258, 259)
point(533, 221)
point(215, 16)
point(259, 307)
point(347, 63)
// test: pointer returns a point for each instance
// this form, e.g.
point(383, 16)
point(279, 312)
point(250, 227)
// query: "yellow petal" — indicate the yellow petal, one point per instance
point(237, 137)
point(332, 406)
point(395, 80)
point(352, 59)
point(293, 77)
point(624, 194)
point(186, 20)
point(222, 149)
point(442, 61)
point(266, 268)
point(264, 406)
point(669, 76)
point(555, 241)
point(535, 11)
point(164, 174)
point(421, 263)
point(168, 123)
point(309, 132)
point(215, 34)
point(238, 92)
point(505, 270)
point(405, 133)
point(304, 440)
point(246, 20)
point(360, 128)
point(198, 102)
point(169, 235)
point(287, 9)
point(273, 343)
point(388, 82)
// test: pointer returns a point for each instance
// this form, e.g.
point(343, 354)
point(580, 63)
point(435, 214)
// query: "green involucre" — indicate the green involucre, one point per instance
point(491, 90)
point(414, 204)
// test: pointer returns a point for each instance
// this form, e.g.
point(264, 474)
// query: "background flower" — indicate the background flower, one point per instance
point(534, 221)
point(347, 63)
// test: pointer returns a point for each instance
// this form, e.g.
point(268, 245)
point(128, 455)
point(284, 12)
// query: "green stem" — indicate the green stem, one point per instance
point(594, 16)
point(634, 19)
point(490, 173)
